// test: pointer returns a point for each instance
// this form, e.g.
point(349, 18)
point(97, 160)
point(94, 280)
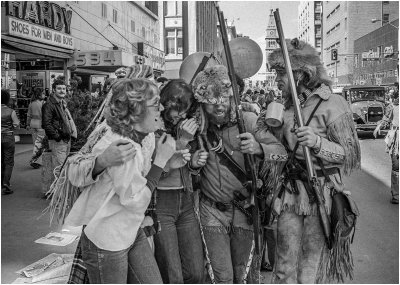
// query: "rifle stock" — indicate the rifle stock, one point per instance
point(325, 222)
point(250, 164)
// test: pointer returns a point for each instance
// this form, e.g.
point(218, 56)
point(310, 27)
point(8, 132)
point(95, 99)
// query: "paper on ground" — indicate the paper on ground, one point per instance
point(58, 239)
point(51, 266)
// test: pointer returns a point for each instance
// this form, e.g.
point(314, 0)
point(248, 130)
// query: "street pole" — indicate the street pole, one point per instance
point(185, 29)
point(336, 77)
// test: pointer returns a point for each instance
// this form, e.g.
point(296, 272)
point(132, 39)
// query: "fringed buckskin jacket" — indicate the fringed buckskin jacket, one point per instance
point(333, 122)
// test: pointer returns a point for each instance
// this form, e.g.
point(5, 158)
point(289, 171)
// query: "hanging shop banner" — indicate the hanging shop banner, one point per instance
point(154, 56)
point(33, 78)
point(38, 33)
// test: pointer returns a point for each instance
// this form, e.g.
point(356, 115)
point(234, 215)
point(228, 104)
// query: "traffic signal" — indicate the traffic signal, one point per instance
point(334, 54)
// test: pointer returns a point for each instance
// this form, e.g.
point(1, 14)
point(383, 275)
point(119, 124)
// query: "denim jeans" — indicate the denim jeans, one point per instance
point(7, 157)
point(229, 250)
point(299, 249)
point(178, 246)
point(134, 265)
point(37, 138)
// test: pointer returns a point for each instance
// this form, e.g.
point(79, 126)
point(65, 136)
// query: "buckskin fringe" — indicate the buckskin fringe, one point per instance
point(343, 131)
point(339, 261)
point(270, 173)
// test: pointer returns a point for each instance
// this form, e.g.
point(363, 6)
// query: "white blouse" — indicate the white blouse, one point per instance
point(112, 207)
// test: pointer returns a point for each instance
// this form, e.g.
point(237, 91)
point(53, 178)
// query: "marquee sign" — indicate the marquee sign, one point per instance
point(43, 13)
point(154, 56)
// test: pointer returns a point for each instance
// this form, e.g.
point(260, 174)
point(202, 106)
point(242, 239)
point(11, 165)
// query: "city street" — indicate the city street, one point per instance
point(375, 248)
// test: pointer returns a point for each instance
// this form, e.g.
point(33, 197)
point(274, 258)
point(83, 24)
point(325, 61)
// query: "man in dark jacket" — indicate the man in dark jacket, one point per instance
point(57, 122)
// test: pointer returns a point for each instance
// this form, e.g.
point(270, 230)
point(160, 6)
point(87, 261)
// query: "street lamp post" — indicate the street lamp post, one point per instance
point(379, 20)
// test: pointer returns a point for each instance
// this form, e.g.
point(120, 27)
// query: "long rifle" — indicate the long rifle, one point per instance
point(325, 222)
point(248, 159)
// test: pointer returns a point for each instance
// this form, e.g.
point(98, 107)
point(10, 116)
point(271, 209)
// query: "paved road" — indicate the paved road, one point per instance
point(376, 245)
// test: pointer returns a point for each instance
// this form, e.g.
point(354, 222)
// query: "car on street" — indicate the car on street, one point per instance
point(367, 104)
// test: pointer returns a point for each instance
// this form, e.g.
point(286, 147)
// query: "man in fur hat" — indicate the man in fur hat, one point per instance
point(228, 236)
point(332, 139)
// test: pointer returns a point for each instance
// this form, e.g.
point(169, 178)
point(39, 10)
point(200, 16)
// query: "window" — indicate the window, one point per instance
point(174, 41)
point(115, 16)
point(143, 32)
point(385, 2)
point(173, 8)
point(385, 19)
point(318, 43)
point(132, 26)
point(152, 6)
point(318, 17)
point(104, 10)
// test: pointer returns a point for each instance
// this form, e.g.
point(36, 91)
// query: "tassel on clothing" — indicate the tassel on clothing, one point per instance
point(344, 132)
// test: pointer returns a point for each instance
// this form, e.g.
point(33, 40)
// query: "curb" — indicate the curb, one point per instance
point(23, 152)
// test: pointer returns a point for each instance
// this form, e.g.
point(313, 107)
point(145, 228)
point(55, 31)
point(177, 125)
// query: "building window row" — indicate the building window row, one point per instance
point(333, 11)
point(335, 28)
point(173, 8)
point(335, 45)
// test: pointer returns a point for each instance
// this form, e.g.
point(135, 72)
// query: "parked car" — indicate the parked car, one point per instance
point(367, 104)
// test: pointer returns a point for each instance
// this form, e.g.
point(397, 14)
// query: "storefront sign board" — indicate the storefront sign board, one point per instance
point(38, 33)
point(154, 56)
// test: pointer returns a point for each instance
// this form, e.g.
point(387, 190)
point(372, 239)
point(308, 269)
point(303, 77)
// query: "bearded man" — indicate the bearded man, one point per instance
point(332, 139)
point(228, 234)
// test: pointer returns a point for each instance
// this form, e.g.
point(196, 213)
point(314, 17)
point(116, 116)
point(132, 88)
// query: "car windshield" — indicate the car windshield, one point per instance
point(363, 95)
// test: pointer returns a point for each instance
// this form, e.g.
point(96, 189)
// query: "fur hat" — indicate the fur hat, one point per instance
point(303, 57)
point(134, 71)
point(212, 85)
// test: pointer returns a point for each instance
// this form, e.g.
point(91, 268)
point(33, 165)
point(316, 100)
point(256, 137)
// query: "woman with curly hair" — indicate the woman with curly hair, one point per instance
point(114, 246)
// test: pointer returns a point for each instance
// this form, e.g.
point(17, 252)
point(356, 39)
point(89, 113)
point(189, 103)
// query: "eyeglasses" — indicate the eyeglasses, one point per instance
point(155, 105)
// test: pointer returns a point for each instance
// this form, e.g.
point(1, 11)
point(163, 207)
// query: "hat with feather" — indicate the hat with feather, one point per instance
point(303, 57)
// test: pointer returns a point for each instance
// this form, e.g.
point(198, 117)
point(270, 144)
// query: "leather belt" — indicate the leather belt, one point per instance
point(223, 207)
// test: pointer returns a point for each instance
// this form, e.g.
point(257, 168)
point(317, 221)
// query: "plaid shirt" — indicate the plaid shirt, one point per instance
point(78, 273)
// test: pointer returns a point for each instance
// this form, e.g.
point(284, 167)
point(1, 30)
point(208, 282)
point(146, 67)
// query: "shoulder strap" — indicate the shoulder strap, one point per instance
point(306, 124)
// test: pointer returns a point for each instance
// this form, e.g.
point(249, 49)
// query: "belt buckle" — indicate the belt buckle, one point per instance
point(221, 206)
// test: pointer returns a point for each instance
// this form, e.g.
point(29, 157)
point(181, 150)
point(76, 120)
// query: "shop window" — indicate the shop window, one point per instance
point(104, 10)
point(132, 26)
point(115, 16)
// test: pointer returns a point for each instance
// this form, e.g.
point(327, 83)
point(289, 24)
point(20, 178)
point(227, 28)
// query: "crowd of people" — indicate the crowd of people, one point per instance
point(164, 188)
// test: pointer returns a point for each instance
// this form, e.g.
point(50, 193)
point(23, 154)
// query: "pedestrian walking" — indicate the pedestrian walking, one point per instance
point(229, 239)
point(58, 123)
point(392, 144)
point(111, 207)
point(34, 124)
point(301, 250)
point(9, 121)
point(178, 246)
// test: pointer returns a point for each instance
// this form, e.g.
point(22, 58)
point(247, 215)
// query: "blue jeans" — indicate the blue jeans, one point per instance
point(229, 250)
point(134, 265)
point(178, 246)
point(395, 176)
point(7, 157)
point(300, 247)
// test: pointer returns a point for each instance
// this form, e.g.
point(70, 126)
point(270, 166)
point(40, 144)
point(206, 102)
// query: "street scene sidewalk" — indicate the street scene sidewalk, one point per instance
point(375, 248)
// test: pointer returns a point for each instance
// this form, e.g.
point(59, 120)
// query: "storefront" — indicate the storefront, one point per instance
point(36, 43)
point(95, 66)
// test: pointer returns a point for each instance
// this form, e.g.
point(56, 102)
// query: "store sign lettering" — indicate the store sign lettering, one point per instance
point(43, 13)
point(39, 34)
point(97, 58)
point(370, 55)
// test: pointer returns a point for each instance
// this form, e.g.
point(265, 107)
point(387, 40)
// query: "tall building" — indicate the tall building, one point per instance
point(188, 27)
point(377, 56)
point(343, 23)
point(310, 23)
point(271, 44)
point(41, 40)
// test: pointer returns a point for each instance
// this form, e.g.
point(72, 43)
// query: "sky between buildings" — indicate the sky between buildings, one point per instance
point(251, 19)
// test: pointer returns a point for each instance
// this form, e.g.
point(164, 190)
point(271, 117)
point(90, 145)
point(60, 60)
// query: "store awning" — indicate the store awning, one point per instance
point(16, 45)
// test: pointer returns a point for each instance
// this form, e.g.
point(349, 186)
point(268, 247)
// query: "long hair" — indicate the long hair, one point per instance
point(128, 105)
point(176, 95)
point(37, 94)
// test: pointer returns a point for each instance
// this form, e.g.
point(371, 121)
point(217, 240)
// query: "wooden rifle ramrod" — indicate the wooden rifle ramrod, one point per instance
point(248, 158)
point(325, 222)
